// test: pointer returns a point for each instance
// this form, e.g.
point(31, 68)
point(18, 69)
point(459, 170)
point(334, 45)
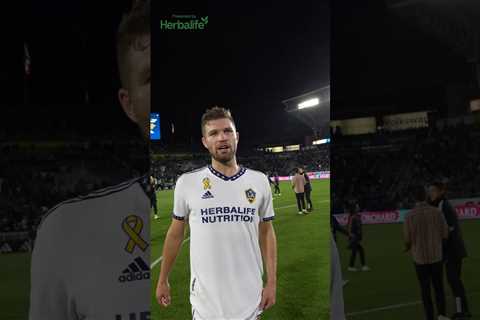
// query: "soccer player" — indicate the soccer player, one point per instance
point(153, 197)
point(355, 237)
point(454, 249)
point(270, 181)
point(91, 253)
point(308, 189)
point(298, 186)
point(230, 213)
point(277, 185)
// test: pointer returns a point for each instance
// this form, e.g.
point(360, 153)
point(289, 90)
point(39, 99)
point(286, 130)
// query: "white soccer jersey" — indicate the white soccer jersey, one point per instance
point(226, 263)
point(91, 256)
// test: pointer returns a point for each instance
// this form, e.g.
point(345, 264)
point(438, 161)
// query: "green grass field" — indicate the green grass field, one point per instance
point(303, 259)
point(390, 290)
point(14, 285)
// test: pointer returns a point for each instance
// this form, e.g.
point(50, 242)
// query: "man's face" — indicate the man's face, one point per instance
point(138, 103)
point(220, 138)
point(434, 193)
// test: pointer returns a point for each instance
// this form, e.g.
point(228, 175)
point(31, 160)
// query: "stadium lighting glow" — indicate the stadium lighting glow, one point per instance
point(274, 149)
point(321, 141)
point(293, 147)
point(309, 103)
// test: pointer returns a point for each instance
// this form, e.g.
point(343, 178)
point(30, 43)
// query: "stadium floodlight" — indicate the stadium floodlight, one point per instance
point(309, 103)
point(313, 109)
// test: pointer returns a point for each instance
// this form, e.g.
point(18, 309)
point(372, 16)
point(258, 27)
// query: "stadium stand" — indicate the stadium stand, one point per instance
point(36, 175)
point(377, 169)
point(167, 167)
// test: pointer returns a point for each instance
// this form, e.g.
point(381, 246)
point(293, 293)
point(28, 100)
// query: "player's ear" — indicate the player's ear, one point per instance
point(204, 142)
point(124, 98)
point(238, 136)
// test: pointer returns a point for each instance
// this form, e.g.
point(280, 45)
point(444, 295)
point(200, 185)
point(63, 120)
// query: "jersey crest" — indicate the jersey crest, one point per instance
point(250, 194)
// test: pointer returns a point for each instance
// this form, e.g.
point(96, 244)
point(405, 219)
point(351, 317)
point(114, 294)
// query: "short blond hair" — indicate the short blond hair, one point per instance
point(216, 113)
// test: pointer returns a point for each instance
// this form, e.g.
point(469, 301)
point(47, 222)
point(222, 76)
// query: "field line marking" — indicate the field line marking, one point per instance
point(390, 307)
point(294, 205)
point(397, 306)
point(283, 207)
point(154, 263)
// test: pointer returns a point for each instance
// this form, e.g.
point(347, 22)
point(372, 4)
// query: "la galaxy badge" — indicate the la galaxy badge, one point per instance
point(250, 195)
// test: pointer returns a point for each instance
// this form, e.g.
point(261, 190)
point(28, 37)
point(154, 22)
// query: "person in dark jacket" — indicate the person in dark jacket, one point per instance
point(454, 249)
point(153, 196)
point(355, 237)
point(276, 184)
point(308, 190)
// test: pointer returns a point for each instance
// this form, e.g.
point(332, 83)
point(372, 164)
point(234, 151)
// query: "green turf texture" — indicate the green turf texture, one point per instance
point(14, 285)
point(392, 280)
point(303, 259)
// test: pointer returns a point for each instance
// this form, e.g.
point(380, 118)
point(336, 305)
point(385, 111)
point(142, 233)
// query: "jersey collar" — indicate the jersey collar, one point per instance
point(224, 177)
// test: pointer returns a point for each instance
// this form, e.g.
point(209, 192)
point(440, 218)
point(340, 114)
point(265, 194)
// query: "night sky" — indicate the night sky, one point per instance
point(382, 59)
point(72, 51)
point(248, 59)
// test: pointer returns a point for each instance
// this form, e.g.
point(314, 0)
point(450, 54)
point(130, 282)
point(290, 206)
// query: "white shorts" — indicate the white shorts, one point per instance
point(255, 316)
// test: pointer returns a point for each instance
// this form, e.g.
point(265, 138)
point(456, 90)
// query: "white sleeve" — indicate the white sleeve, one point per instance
point(180, 207)
point(266, 206)
point(48, 294)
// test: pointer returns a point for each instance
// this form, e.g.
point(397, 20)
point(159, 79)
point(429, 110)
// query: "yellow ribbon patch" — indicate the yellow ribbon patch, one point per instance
point(132, 226)
point(206, 184)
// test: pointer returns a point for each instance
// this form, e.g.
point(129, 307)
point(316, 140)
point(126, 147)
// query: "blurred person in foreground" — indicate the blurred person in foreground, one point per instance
point(91, 253)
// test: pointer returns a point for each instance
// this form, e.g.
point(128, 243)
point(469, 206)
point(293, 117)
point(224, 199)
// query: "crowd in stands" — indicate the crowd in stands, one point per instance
point(52, 153)
point(378, 170)
point(168, 167)
point(34, 177)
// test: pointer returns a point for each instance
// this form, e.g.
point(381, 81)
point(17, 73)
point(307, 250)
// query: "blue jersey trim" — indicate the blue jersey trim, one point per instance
point(177, 217)
point(224, 177)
